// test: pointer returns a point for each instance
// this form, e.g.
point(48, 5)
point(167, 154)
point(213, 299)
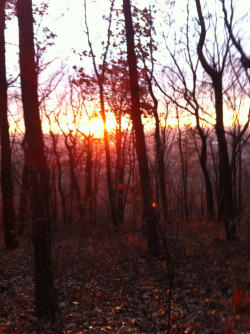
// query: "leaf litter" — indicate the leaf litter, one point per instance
point(110, 285)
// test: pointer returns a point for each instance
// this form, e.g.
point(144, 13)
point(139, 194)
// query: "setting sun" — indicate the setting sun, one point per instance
point(94, 127)
point(91, 124)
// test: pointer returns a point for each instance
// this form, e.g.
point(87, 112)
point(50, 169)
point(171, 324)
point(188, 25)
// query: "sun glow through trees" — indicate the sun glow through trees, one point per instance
point(91, 124)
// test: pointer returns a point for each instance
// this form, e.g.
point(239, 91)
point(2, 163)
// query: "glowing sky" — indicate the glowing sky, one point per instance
point(65, 18)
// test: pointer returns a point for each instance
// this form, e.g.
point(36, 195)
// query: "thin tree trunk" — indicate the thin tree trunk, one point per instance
point(88, 180)
point(70, 144)
point(111, 192)
point(60, 176)
point(239, 207)
point(100, 74)
point(159, 153)
point(120, 161)
point(203, 164)
point(184, 173)
point(141, 151)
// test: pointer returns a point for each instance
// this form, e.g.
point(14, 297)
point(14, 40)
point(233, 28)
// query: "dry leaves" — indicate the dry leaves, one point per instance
point(113, 287)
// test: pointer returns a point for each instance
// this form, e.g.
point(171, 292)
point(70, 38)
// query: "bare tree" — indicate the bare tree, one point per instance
point(100, 77)
point(45, 294)
point(215, 72)
point(147, 55)
point(141, 151)
point(186, 93)
point(236, 41)
point(6, 174)
point(117, 91)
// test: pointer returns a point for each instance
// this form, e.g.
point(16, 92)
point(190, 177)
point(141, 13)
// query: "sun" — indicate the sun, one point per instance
point(95, 126)
point(91, 124)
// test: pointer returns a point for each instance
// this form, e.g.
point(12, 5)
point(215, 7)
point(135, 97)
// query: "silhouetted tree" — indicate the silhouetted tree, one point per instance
point(100, 73)
point(147, 55)
point(215, 71)
point(8, 212)
point(236, 41)
point(140, 144)
point(186, 94)
point(45, 294)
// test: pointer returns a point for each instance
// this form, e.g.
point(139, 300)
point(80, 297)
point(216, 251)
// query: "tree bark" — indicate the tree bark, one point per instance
point(224, 165)
point(88, 180)
point(203, 164)
point(111, 192)
point(59, 179)
point(45, 294)
point(120, 171)
point(24, 200)
point(208, 185)
point(141, 150)
point(184, 172)
point(8, 212)
point(159, 153)
point(70, 143)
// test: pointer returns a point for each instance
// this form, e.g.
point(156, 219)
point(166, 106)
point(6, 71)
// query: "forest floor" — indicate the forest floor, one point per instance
point(110, 285)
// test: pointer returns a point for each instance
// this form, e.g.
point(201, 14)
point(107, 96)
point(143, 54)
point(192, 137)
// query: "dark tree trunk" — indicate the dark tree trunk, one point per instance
point(60, 177)
point(159, 153)
point(100, 76)
point(96, 175)
point(120, 169)
point(224, 165)
point(217, 186)
point(111, 192)
point(203, 164)
point(184, 174)
point(8, 213)
point(209, 192)
point(45, 294)
point(239, 206)
point(70, 143)
point(141, 151)
point(24, 200)
point(53, 199)
point(88, 180)
point(236, 165)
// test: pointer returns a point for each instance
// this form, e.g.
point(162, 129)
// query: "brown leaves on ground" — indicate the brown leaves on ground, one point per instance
point(111, 286)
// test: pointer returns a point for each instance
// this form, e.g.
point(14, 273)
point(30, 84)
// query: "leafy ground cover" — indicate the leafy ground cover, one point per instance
point(108, 284)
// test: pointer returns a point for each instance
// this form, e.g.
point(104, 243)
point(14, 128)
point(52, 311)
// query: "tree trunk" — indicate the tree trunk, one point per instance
point(8, 213)
point(224, 165)
point(24, 200)
point(70, 143)
point(59, 179)
point(45, 294)
point(184, 174)
point(203, 164)
point(159, 153)
point(88, 180)
point(111, 193)
point(141, 151)
point(120, 171)
point(239, 202)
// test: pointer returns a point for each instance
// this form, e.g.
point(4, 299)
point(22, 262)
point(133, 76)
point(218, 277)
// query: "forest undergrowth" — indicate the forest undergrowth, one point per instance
point(106, 283)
